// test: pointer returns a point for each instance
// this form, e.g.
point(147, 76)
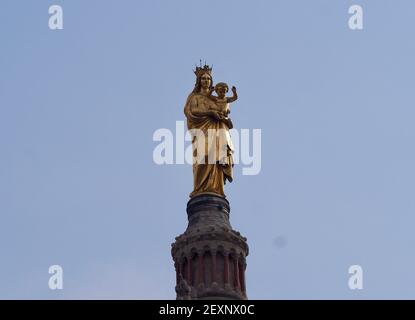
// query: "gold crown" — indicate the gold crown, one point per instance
point(201, 70)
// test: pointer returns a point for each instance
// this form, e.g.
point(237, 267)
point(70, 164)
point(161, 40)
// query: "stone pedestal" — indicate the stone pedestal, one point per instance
point(210, 257)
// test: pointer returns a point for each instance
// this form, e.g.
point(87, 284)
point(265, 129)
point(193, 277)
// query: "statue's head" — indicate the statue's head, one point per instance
point(206, 81)
point(221, 89)
point(203, 78)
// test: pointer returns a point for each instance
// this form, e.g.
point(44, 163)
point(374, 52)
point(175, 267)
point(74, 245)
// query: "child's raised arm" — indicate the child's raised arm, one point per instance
point(234, 97)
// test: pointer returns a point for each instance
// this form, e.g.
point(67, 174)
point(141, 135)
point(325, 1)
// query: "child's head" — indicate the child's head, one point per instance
point(221, 89)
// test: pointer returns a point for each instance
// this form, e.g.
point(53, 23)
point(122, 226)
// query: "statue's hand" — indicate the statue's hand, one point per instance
point(234, 89)
point(215, 115)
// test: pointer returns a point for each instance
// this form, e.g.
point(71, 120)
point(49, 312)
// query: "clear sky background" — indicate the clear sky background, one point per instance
point(79, 106)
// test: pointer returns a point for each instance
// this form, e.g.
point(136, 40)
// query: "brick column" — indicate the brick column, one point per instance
point(201, 268)
point(242, 276)
point(214, 274)
point(189, 270)
point(226, 271)
point(236, 267)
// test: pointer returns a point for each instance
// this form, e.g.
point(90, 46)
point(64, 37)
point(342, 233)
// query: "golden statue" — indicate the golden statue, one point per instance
point(207, 113)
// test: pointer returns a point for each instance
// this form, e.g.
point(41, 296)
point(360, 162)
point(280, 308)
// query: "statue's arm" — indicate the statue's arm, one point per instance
point(234, 97)
point(195, 109)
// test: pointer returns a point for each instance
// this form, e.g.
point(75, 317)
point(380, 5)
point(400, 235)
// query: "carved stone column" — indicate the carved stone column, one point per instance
point(210, 234)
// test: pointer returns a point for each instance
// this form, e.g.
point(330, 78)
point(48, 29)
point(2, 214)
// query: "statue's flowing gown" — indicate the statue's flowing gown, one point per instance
point(210, 176)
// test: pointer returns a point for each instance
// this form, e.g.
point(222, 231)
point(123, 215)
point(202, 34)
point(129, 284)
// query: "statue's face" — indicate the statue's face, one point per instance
point(221, 91)
point(205, 81)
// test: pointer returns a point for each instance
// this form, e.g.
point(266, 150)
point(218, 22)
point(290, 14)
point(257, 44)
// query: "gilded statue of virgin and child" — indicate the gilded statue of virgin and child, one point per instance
point(208, 115)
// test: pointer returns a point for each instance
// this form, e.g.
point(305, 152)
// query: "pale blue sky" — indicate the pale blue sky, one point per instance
point(78, 108)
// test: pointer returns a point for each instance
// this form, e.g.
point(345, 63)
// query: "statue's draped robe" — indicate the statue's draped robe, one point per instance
point(210, 176)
